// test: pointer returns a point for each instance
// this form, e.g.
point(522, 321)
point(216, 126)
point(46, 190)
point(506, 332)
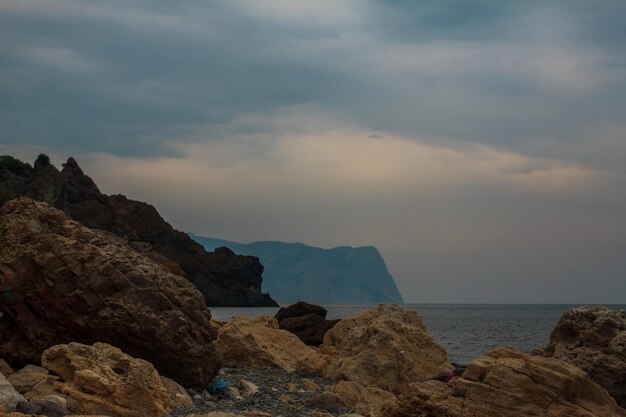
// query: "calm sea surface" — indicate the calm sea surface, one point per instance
point(465, 330)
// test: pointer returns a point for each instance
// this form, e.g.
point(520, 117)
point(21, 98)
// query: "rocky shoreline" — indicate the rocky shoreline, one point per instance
point(92, 325)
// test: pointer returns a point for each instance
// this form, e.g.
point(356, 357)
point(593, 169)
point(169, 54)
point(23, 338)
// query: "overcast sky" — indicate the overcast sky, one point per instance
point(480, 145)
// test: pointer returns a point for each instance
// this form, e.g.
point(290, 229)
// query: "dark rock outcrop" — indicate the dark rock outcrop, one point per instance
point(307, 321)
point(63, 282)
point(342, 275)
point(594, 339)
point(299, 309)
point(224, 278)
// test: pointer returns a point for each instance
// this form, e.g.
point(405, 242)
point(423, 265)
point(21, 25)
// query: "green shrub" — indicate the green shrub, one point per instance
point(42, 160)
point(15, 165)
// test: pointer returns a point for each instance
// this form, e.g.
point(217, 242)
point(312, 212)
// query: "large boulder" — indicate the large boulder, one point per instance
point(62, 282)
point(259, 343)
point(307, 321)
point(386, 346)
point(101, 379)
point(594, 339)
point(507, 383)
point(299, 309)
point(225, 279)
point(310, 328)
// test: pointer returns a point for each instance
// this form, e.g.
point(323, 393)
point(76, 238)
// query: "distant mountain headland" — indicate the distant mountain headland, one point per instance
point(295, 271)
point(224, 278)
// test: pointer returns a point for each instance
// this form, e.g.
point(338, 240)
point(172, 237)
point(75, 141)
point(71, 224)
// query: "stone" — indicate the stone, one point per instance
point(24, 380)
point(328, 401)
point(386, 346)
point(291, 387)
point(224, 278)
point(319, 414)
point(9, 397)
point(256, 413)
point(309, 385)
point(43, 407)
point(285, 398)
point(374, 402)
point(593, 339)
point(349, 391)
point(233, 393)
point(56, 399)
point(307, 321)
point(299, 309)
point(41, 390)
point(507, 383)
point(63, 282)
point(178, 396)
point(215, 414)
point(101, 379)
point(311, 328)
point(259, 343)
point(248, 387)
point(5, 368)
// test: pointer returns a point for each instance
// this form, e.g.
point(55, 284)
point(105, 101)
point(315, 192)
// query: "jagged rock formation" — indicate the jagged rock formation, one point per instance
point(507, 383)
point(224, 278)
point(341, 275)
point(307, 321)
point(386, 346)
point(594, 339)
point(62, 282)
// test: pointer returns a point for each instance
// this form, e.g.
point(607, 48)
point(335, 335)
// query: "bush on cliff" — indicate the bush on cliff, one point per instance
point(15, 165)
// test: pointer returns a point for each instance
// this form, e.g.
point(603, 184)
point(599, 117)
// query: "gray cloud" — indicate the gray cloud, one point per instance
point(524, 100)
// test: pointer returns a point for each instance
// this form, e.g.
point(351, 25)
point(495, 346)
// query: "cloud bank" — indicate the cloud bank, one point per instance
point(480, 146)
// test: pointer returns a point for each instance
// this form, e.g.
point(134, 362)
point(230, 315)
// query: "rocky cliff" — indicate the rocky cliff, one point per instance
point(225, 279)
point(342, 275)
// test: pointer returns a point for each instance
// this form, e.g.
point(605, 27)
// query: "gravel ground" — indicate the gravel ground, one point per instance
point(271, 398)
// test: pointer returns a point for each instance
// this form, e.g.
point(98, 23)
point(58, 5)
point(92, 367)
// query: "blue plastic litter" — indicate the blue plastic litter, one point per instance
point(219, 386)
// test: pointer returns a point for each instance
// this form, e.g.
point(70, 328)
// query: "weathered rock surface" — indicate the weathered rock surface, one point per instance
point(386, 346)
point(28, 377)
point(101, 379)
point(43, 407)
point(9, 397)
point(506, 383)
point(259, 343)
point(62, 282)
point(224, 278)
point(307, 321)
point(299, 309)
point(310, 328)
point(374, 402)
point(594, 339)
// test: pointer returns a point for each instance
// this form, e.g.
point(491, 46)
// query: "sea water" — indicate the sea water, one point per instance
point(465, 330)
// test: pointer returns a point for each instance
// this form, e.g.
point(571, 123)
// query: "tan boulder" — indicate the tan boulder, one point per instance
point(506, 383)
point(259, 343)
point(350, 391)
point(28, 377)
point(374, 402)
point(594, 339)
point(101, 379)
point(386, 346)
